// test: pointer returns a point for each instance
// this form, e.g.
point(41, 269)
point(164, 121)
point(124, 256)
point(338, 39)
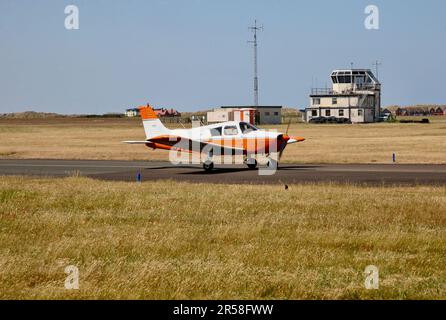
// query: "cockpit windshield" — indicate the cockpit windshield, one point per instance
point(246, 127)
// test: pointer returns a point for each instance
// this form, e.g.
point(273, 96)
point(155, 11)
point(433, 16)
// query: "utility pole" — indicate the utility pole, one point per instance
point(378, 94)
point(377, 64)
point(353, 77)
point(256, 79)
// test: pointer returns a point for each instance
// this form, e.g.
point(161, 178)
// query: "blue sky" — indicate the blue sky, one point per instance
point(194, 55)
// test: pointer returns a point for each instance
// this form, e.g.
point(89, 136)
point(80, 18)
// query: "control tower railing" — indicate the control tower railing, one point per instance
point(354, 88)
point(322, 91)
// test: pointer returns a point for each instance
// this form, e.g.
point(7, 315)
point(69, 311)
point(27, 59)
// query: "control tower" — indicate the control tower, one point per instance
point(355, 95)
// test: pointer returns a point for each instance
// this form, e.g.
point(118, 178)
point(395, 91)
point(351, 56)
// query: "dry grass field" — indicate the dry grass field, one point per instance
point(66, 138)
point(166, 240)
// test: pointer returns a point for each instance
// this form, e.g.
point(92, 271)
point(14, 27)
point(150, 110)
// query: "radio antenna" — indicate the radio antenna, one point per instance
point(254, 29)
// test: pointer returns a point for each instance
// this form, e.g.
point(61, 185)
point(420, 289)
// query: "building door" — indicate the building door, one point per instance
point(257, 117)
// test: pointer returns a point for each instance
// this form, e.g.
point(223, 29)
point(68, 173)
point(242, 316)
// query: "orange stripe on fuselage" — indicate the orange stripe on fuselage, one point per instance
point(250, 145)
point(155, 145)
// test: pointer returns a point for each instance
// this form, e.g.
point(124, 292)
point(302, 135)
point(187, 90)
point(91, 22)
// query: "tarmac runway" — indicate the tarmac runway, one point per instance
point(406, 174)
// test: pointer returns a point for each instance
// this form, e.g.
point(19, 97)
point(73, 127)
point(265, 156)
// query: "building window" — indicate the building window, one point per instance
point(360, 112)
point(267, 113)
point(341, 113)
point(314, 113)
point(316, 101)
point(334, 101)
point(276, 113)
point(327, 113)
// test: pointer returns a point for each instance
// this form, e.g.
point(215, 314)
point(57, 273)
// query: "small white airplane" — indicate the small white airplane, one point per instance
point(226, 138)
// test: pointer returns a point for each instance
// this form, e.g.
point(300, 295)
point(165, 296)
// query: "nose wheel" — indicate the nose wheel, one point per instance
point(208, 166)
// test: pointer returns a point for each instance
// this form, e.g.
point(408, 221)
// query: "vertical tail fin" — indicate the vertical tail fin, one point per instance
point(153, 126)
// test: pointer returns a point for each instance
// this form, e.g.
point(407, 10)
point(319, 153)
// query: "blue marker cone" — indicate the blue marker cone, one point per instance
point(138, 177)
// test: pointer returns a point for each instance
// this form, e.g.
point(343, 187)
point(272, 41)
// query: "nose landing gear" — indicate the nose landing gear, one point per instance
point(208, 166)
point(273, 164)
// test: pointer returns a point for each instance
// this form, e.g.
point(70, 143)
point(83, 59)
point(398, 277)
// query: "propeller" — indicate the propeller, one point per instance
point(288, 127)
point(283, 141)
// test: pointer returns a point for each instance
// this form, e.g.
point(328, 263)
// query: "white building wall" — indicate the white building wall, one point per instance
point(270, 115)
point(362, 107)
point(263, 115)
point(219, 115)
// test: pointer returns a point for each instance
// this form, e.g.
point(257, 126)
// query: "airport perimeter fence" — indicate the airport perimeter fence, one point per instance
point(175, 120)
point(180, 120)
point(292, 118)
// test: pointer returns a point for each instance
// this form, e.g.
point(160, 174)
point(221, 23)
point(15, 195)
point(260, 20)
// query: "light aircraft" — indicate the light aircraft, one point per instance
point(233, 138)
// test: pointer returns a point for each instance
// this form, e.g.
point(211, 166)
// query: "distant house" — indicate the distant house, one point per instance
point(392, 109)
point(160, 112)
point(419, 110)
point(131, 112)
point(400, 112)
point(438, 112)
point(164, 112)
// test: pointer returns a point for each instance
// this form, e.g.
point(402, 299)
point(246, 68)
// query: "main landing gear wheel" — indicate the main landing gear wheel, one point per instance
point(208, 166)
point(252, 165)
point(273, 164)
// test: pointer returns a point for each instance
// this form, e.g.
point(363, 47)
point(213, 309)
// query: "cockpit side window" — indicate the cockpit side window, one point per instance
point(215, 132)
point(231, 130)
point(246, 127)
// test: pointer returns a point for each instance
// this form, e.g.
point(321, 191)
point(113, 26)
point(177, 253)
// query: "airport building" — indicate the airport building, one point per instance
point(355, 96)
point(253, 115)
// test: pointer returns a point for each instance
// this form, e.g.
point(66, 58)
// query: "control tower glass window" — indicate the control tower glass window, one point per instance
point(359, 80)
point(345, 79)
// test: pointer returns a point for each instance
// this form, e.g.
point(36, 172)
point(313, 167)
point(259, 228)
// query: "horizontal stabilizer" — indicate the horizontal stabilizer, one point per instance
point(136, 142)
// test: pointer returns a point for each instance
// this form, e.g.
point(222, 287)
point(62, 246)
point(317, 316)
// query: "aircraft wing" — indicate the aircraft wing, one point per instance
point(185, 144)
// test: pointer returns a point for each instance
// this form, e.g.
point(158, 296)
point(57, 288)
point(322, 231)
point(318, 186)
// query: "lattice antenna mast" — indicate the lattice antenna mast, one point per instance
point(377, 64)
point(254, 29)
